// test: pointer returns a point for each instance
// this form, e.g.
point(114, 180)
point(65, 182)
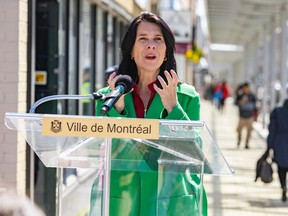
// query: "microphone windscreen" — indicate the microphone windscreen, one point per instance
point(126, 81)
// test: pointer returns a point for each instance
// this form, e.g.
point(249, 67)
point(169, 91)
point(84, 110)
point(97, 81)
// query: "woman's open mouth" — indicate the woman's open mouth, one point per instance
point(150, 57)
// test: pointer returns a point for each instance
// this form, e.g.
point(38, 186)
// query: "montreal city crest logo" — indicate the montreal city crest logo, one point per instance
point(56, 126)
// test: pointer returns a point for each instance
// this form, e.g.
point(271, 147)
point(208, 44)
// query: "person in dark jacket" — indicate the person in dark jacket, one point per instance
point(278, 141)
point(246, 101)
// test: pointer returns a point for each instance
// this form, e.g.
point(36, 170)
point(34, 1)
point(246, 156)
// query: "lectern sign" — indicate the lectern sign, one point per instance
point(100, 127)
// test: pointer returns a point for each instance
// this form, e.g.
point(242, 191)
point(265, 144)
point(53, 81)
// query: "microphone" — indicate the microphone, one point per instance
point(122, 86)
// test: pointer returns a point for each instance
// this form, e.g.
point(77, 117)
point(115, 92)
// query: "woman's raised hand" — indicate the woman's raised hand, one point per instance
point(168, 93)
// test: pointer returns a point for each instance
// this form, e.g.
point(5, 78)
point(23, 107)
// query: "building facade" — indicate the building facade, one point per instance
point(52, 47)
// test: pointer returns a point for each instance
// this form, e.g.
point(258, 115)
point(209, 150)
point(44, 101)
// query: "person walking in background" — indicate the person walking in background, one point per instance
point(225, 94)
point(209, 92)
point(217, 94)
point(85, 90)
point(277, 140)
point(221, 93)
point(246, 102)
point(148, 58)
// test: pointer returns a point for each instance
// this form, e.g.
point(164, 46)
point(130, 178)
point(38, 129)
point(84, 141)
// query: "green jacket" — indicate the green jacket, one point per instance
point(142, 193)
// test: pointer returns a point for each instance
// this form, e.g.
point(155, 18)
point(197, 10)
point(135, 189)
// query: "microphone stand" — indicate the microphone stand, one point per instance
point(93, 96)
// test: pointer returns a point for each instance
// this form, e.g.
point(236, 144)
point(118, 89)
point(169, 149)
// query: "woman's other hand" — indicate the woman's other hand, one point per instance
point(168, 93)
point(119, 105)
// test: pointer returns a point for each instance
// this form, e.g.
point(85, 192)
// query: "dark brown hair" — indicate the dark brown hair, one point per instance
point(127, 65)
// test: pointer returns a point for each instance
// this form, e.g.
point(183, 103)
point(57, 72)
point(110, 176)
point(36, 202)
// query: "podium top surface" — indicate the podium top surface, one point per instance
point(179, 144)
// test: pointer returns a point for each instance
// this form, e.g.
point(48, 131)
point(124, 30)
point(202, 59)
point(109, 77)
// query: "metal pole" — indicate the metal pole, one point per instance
point(107, 167)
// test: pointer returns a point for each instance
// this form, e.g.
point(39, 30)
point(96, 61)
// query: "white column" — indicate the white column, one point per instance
point(254, 55)
point(273, 66)
point(283, 75)
point(238, 72)
point(251, 60)
point(246, 62)
point(266, 69)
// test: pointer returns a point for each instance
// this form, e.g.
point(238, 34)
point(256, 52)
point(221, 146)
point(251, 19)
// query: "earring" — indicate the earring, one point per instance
point(132, 58)
point(165, 59)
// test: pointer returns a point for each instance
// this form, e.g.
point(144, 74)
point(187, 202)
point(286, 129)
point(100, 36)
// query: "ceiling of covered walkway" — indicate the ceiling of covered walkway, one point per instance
point(238, 22)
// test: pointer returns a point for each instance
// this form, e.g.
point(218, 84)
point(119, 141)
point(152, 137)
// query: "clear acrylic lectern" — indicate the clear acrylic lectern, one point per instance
point(184, 148)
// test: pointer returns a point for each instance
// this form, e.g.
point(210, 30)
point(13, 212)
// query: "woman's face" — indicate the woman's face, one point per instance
point(149, 49)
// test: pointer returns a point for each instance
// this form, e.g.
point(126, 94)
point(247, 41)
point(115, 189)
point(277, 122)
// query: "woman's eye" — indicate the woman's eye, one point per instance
point(158, 40)
point(142, 39)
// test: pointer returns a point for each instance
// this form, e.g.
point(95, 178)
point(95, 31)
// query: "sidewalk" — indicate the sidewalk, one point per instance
point(239, 195)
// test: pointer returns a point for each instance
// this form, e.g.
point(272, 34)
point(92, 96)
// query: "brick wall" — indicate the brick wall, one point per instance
point(13, 88)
